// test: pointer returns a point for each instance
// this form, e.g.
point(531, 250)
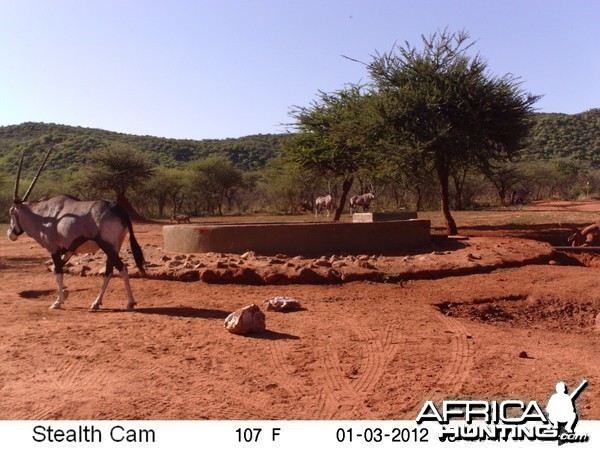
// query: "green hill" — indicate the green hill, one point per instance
point(248, 153)
point(575, 136)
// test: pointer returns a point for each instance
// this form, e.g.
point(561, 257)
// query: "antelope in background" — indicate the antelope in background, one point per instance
point(519, 197)
point(323, 203)
point(361, 200)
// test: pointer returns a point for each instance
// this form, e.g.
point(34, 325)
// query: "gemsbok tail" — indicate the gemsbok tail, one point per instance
point(136, 250)
point(138, 255)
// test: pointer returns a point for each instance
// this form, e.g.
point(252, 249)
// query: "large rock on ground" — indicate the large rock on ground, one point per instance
point(249, 319)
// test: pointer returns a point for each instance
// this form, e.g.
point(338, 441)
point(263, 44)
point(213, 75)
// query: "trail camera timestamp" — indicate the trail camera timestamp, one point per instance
point(401, 434)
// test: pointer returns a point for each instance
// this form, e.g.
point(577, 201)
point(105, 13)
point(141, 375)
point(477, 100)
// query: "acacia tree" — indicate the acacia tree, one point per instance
point(117, 168)
point(440, 106)
point(335, 137)
point(166, 188)
point(286, 185)
point(504, 177)
point(215, 181)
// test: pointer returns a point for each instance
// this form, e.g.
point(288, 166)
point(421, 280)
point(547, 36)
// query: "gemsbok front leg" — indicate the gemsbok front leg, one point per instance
point(125, 276)
point(105, 280)
point(58, 272)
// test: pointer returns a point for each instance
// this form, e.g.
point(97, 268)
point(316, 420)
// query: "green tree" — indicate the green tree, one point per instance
point(117, 168)
point(335, 137)
point(6, 198)
point(286, 184)
point(215, 180)
point(165, 188)
point(440, 106)
point(504, 176)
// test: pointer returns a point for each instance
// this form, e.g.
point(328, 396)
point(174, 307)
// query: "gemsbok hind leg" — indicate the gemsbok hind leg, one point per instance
point(115, 260)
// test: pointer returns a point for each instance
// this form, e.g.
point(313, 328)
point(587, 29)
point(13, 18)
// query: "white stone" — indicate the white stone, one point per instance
point(249, 319)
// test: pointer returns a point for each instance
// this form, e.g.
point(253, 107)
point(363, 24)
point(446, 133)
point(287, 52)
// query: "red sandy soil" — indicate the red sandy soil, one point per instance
point(358, 350)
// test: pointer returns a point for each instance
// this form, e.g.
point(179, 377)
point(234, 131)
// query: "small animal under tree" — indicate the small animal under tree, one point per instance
point(65, 225)
point(181, 218)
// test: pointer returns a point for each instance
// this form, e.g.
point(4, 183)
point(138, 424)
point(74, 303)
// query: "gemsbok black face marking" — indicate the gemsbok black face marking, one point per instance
point(64, 225)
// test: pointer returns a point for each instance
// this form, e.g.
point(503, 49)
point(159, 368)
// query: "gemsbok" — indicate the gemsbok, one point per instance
point(519, 197)
point(64, 225)
point(361, 200)
point(323, 204)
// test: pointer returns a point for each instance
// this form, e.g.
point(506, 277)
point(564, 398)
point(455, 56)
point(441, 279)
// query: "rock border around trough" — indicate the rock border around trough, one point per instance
point(442, 258)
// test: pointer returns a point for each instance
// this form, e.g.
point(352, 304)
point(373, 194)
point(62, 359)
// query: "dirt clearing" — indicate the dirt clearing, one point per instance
point(358, 350)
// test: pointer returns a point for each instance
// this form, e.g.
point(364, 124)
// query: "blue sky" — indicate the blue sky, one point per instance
point(215, 69)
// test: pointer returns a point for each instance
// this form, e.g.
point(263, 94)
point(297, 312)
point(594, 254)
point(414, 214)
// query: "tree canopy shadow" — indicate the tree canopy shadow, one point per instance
point(272, 336)
point(185, 311)
point(172, 311)
point(24, 259)
point(36, 294)
point(42, 294)
point(552, 233)
point(437, 242)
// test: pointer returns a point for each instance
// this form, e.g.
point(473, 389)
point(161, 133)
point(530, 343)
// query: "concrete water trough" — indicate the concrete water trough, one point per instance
point(297, 238)
point(383, 216)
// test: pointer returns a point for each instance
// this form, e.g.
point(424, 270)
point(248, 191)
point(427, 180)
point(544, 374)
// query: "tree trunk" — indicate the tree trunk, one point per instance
point(459, 185)
point(396, 196)
point(124, 203)
point(418, 205)
point(443, 176)
point(177, 203)
point(162, 201)
point(502, 195)
point(346, 185)
point(458, 204)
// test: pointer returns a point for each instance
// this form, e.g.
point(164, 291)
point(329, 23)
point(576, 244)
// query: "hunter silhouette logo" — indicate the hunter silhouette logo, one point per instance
point(561, 410)
point(508, 420)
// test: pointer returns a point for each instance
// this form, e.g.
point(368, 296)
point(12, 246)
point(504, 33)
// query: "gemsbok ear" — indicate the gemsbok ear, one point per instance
point(26, 196)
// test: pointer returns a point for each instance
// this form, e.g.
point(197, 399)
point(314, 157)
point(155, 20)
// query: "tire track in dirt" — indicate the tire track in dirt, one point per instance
point(342, 398)
point(69, 374)
point(348, 396)
point(331, 394)
point(288, 380)
point(380, 353)
point(285, 375)
point(372, 362)
point(48, 413)
point(323, 405)
point(81, 370)
point(451, 380)
point(32, 412)
point(237, 409)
